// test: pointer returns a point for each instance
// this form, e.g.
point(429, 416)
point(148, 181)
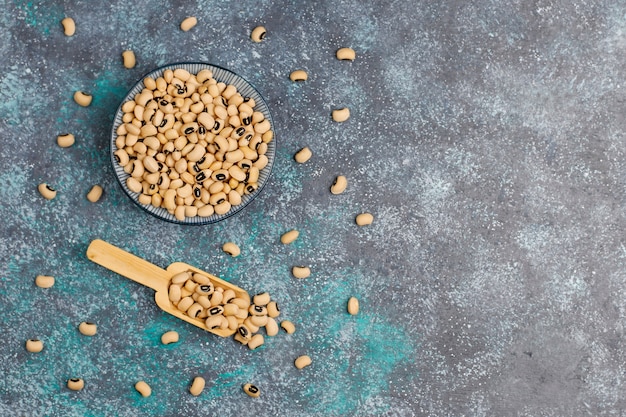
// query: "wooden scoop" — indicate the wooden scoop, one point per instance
point(145, 273)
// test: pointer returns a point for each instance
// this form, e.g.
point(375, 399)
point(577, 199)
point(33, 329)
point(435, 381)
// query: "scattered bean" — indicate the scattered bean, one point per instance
point(302, 361)
point(197, 386)
point(271, 327)
point(69, 26)
point(231, 248)
point(258, 34)
point(188, 23)
point(303, 155)
point(65, 141)
point(301, 271)
point(143, 388)
point(339, 186)
point(129, 59)
point(298, 75)
point(353, 306)
point(34, 345)
point(341, 115)
point(44, 281)
point(47, 191)
point(288, 326)
point(261, 299)
point(82, 98)
point(251, 390)
point(87, 328)
point(289, 237)
point(75, 384)
point(94, 194)
point(169, 337)
point(256, 341)
point(364, 219)
point(346, 54)
point(272, 309)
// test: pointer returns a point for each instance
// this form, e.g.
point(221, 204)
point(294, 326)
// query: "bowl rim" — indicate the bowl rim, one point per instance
point(160, 212)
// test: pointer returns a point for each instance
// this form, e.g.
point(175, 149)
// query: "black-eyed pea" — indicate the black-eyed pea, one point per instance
point(262, 127)
point(179, 213)
point(185, 303)
point(256, 310)
point(197, 386)
point(301, 271)
point(180, 278)
point(288, 326)
point(34, 345)
point(345, 54)
point(289, 237)
point(261, 299)
point(244, 331)
point(258, 34)
point(121, 156)
point(251, 326)
point(44, 281)
point(240, 339)
point(229, 295)
point(82, 98)
point(187, 24)
point(69, 26)
point(184, 292)
point(149, 83)
point(134, 185)
point(259, 321)
point(174, 294)
point(303, 155)
point(213, 322)
point(242, 314)
point(234, 198)
point(271, 327)
point(353, 306)
point(222, 208)
point(94, 193)
point(261, 162)
point(144, 199)
point(272, 309)
point(364, 219)
point(242, 303)
point(205, 289)
point(75, 384)
point(252, 390)
point(302, 361)
point(251, 188)
point(298, 75)
point(47, 191)
point(232, 322)
point(169, 337)
point(204, 301)
point(88, 328)
point(231, 248)
point(206, 211)
point(230, 309)
point(65, 141)
point(194, 310)
point(143, 388)
point(339, 186)
point(256, 341)
point(341, 115)
point(217, 310)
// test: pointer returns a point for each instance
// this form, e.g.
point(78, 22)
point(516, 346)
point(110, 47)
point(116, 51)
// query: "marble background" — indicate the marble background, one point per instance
point(486, 137)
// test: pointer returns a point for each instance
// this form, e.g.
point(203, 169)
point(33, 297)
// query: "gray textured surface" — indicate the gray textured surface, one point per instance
point(486, 138)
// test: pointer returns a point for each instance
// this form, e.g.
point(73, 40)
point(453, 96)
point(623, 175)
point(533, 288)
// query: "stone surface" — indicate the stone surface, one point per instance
point(486, 138)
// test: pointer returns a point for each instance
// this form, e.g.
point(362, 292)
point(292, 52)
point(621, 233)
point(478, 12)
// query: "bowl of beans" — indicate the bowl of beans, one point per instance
point(192, 143)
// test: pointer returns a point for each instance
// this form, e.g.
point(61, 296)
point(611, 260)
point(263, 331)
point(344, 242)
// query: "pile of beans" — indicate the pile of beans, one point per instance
point(221, 308)
point(192, 145)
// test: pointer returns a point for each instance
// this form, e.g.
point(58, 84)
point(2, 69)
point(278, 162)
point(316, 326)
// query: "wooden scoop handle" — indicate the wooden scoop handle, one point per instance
point(128, 265)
